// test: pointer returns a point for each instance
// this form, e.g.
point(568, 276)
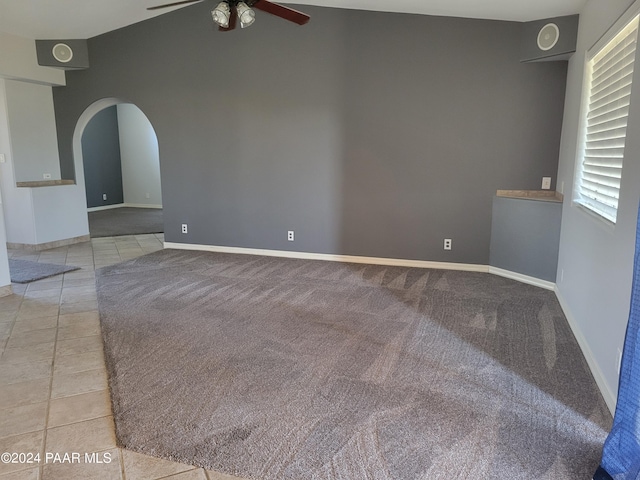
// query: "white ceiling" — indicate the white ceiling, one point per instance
point(69, 19)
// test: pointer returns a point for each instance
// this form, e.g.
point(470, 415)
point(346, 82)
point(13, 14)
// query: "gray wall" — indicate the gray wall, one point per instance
point(595, 264)
point(101, 159)
point(367, 133)
point(525, 236)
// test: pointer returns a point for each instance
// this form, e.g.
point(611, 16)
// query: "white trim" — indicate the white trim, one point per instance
point(141, 205)
point(122, 205)
point(609, 397)
point(396, 262)
point(537, 282)
point(106, 207)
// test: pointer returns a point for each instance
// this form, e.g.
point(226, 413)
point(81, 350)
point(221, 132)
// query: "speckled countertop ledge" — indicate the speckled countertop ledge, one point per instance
point(540, 195)
point(45, 183)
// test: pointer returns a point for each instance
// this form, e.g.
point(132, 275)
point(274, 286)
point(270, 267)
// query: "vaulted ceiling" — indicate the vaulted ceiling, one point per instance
point(68, 19)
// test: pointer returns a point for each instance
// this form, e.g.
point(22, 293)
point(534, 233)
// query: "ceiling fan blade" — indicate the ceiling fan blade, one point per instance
point(283, 12)
point(232, 21)
point(166, 5)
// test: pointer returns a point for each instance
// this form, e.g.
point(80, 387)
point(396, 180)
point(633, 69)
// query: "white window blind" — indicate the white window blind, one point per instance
point(610, 76)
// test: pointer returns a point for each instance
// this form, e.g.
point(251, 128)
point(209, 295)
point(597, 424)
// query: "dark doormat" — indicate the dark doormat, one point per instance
point(25, 271)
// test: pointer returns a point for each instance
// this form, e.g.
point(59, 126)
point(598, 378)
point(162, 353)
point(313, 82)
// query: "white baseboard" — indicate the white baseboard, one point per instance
point(122, 205)
point(609, 397)
point(106, 207)
point(522, 278)
point(141, 205)
point(396, 262)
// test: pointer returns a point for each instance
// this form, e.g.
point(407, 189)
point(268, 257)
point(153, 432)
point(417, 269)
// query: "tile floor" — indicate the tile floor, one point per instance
point(53, 381)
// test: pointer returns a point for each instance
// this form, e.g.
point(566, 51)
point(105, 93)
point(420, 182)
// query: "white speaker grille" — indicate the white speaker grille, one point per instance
point(62, 52)
point(548, 36)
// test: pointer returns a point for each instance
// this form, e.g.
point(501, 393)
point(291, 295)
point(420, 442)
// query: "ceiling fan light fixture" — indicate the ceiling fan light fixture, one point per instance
point(221, 14)
point(245, 14)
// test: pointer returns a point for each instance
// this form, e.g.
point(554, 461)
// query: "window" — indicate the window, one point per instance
point(609, 77)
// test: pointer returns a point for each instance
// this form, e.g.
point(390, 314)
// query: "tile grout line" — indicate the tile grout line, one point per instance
point(53, 365)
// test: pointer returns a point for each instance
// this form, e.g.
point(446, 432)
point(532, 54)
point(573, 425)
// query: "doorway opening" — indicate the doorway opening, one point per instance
point(117, 160)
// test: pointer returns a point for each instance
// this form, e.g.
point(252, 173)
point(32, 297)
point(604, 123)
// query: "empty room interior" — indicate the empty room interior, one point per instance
point(315, 240)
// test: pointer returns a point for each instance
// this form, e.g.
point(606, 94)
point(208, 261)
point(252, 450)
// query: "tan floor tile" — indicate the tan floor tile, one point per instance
point(23, 372)
point(74, 346)
point(190, 475)
point(80, 282)
point(79, 363)
point(87, 329)
point(78, 408)
point(32, 337)
point(5, 330)
point(35, 324)
point(78, 307)
point(24, 393)
point(35, 311)
point(32, 353)
point(23, 419)
point(79, 318)
point(221, 476)
point(90, 436)
point(49, 295)
point(144, 467)
point(109, 469)
point(30, 474)
point(76, 383)
point(28, 443)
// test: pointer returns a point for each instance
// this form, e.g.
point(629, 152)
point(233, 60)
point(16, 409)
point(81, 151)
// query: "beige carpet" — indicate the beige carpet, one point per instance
point(271, 368)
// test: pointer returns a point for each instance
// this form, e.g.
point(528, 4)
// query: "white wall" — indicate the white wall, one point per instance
point(17, 202)
point(33, 215)
point(18, 60)
point(5, 277)
point(140, 158)
point(596, 259)
point(33, 131)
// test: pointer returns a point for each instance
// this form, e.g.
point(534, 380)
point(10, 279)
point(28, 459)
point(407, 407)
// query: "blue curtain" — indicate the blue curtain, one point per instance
point(621, 453)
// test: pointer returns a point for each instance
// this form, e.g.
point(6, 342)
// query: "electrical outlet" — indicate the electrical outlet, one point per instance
point(447, 244)
point(290, 235)
point(546, 183)
point(46, 176)
point(2, 158)
point(104, 196)
point(185, 229)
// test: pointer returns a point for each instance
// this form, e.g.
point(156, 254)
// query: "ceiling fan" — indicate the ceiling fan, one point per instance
point(228, 11)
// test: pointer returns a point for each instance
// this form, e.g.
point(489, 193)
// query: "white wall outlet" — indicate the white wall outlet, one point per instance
point(447, 244)
point(185, 229)
point(290, 235)
point(104, 196)
point(2, 158)
point(546, 183)
point(46, 176)
point(147, 195)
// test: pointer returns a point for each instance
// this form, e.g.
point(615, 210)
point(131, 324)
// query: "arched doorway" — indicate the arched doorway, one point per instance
point(117, 160)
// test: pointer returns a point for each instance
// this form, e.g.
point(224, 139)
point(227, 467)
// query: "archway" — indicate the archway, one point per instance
point(117, 164)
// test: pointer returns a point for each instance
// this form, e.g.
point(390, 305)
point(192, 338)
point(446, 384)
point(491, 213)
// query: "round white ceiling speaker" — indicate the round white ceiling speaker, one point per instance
point(548, 36)
point(62, 52)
